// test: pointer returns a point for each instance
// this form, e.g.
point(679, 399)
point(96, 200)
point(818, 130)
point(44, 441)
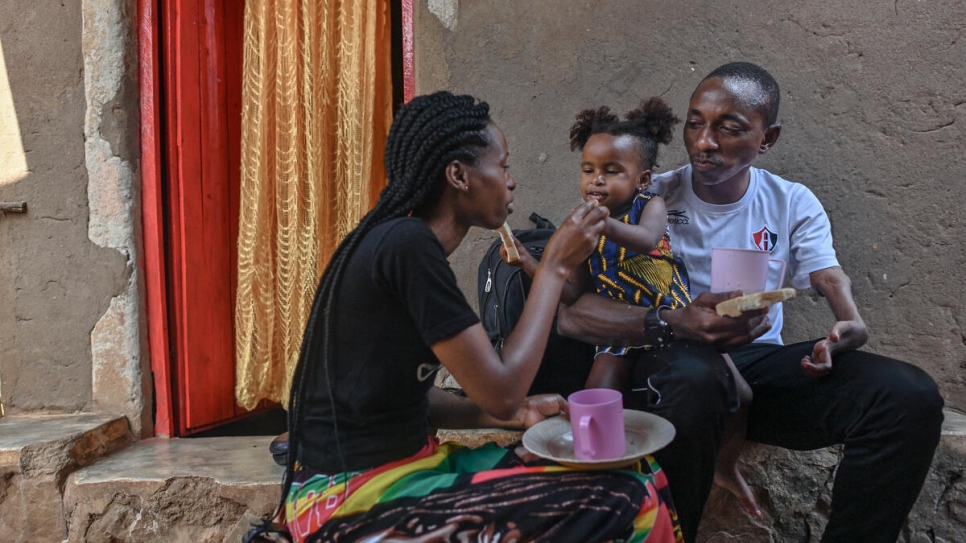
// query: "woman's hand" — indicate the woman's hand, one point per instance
point(538, 408)
point(574, 240)
point(452, 411)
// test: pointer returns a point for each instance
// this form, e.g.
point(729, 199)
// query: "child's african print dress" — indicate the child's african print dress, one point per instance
point(649, 280)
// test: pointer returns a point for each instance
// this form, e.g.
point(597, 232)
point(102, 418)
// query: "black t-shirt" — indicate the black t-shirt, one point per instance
point(398, 296)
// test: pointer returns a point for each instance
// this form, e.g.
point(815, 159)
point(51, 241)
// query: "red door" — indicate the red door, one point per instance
point(201, 61)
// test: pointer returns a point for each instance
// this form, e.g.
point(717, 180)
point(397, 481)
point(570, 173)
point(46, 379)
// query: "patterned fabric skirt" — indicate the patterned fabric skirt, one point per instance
point(447, 492)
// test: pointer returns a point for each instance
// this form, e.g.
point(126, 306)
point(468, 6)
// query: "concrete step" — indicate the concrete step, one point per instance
point(37, 454)
point(213, 489)
point(206, 490)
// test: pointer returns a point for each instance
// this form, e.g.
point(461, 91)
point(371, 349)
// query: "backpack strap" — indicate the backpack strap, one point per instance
point(541, 222)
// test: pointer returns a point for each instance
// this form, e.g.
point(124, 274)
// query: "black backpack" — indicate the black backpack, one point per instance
point(503, 290)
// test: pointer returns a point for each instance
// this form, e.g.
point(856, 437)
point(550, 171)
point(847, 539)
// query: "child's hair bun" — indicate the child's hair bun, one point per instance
point(650, 124)
point(656, 117)
point(589, 122)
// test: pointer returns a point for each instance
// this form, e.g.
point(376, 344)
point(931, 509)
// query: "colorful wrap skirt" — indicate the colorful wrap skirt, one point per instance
point(447, 492)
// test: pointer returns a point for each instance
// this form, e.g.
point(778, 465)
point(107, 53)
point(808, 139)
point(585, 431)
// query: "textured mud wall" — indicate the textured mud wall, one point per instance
point(69, 319)
point(54, 282)
point(873, 106)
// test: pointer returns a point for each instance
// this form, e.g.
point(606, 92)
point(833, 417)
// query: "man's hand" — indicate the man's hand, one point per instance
point(540, 407)
point(848, 333)
point(845, 336)
point(700, 322)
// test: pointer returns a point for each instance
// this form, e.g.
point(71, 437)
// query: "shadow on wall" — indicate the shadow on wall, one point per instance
point(54, 282)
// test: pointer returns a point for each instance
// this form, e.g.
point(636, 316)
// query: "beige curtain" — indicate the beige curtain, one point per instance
point(316, 109)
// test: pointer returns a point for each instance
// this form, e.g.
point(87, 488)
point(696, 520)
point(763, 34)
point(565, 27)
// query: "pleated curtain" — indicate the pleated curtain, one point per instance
point(316, 109)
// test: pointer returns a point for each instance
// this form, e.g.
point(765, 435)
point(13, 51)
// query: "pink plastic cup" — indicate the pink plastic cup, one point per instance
point(742, 269)
point(597, 419)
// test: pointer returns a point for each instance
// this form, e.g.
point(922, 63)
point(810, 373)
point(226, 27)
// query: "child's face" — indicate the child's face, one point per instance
point(611, 171)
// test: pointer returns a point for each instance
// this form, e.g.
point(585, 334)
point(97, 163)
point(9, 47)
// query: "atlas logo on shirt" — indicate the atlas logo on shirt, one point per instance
point(675, 216)
point(765, 239)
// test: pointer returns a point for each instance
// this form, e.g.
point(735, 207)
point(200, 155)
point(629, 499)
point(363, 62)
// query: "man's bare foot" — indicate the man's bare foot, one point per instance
point(731, 480)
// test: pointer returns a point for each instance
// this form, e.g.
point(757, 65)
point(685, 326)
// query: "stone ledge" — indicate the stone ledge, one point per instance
point(195, 489)
point(37, 453)
point(794, 492)
point(954, 423)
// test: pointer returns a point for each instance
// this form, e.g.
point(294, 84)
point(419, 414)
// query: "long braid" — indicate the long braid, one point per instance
point(428, 134)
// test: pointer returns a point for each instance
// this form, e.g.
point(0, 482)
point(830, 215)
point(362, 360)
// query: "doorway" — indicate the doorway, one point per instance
point(190, 62)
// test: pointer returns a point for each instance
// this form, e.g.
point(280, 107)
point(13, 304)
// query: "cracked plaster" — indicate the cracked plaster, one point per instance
point(119, 381)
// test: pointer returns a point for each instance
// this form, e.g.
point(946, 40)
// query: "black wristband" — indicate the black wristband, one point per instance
point(657, 332)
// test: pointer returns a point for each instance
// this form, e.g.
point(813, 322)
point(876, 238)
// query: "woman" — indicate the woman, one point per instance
point(387, 313)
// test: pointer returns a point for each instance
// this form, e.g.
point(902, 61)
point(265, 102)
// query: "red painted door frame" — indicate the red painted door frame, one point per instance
point(190, 120)
point(408, 51)
point(152, 215)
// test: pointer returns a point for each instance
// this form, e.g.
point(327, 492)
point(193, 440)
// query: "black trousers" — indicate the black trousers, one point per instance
point(690, 385)
point(886, 412)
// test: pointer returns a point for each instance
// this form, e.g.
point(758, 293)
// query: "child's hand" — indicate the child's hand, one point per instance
point(527, 262)
point(610, 224)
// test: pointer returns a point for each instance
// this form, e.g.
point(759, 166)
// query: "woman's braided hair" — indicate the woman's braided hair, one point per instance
point(651, 124)
point(428, 134)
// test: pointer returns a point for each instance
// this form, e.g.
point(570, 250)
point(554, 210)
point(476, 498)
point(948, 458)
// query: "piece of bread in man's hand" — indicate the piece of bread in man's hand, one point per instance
point(512, 255)
point(760, 300)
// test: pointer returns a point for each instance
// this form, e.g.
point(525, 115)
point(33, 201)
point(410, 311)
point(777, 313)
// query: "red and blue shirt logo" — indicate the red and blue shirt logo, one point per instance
point(765, 239)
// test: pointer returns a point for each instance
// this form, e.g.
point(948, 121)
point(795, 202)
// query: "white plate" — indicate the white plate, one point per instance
point(553, 439)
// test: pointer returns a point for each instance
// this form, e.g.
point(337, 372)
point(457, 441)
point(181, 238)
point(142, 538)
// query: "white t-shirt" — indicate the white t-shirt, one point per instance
point(774, 215)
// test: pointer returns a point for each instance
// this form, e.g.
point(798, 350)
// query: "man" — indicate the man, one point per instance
point(806, 396)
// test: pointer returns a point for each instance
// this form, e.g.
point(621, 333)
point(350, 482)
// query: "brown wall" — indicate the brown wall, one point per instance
point(54, 282)
point(873, 105)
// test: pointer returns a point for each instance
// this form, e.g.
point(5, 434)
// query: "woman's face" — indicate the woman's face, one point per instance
point(489, 185)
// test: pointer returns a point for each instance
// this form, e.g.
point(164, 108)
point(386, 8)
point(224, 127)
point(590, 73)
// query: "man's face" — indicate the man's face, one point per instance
point(724, 131)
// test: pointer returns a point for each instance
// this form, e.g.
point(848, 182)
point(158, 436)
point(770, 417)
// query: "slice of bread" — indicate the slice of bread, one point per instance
point(513, 256)
point(760, 300)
